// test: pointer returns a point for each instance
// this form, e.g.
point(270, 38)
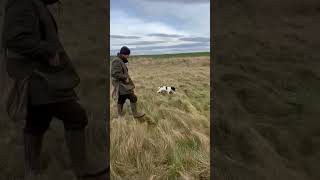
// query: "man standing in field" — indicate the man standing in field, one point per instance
point(44, 79)
point(123, 85)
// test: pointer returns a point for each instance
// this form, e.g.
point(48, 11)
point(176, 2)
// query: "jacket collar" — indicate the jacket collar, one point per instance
point(122, 58)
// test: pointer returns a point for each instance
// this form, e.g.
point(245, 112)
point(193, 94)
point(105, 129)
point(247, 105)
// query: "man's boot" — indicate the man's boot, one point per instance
point(135, 113)
point(83, 169)
point(32, 151)
point(121, 113)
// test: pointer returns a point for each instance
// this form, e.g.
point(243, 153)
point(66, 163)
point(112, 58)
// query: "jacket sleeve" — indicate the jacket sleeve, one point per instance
point(23, 32)
point(116, 71)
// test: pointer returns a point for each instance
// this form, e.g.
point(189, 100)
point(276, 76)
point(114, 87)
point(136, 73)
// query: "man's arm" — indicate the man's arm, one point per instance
point(23, 33)
point(116, 71)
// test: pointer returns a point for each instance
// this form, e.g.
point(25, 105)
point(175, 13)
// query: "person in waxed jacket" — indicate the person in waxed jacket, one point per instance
point(33, 51)
point(123, 85)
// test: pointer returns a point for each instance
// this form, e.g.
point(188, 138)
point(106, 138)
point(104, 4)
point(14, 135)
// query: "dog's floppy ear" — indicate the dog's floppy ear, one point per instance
point(173, 88)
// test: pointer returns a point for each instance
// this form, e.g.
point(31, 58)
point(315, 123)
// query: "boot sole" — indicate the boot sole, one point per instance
point(139, 116)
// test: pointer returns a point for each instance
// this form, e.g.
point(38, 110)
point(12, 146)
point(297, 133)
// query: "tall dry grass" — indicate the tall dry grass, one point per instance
point(172, 141)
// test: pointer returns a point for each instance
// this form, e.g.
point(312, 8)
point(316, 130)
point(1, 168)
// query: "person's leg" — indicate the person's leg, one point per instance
point(72, 114)
point(37, 122)
point(121, 101)
point(75, 120)
point(133, 103)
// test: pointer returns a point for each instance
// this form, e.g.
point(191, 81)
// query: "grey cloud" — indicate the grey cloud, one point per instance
point(181, 1)
point(113, 52)
point(179, 46)
point(124, 37)
point(143, 43)
point(165, 35)
point(196, 39)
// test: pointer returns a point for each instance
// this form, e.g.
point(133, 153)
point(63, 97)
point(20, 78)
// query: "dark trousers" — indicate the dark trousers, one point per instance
point(70, 112)
point(132, 97)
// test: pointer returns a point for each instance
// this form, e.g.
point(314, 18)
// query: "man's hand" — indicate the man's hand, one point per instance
point(55, 61)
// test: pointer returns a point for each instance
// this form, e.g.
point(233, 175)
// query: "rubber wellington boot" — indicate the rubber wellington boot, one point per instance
point(83, 169)
point(135, 113)
point(121, 113)
point(32, 151)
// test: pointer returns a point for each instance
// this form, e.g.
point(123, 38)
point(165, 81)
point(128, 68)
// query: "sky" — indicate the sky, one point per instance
point(160, 26)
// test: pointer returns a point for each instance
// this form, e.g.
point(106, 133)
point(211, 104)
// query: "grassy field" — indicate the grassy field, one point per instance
point(172, 141)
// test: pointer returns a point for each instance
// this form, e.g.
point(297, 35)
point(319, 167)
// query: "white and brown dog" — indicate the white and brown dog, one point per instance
point(166, 89)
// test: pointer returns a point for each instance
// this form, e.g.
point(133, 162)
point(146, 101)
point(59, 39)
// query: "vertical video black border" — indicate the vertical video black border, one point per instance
point(213, 28)
point(108, 82)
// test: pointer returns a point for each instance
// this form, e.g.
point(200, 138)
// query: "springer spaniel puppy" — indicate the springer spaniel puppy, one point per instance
point(166, 89)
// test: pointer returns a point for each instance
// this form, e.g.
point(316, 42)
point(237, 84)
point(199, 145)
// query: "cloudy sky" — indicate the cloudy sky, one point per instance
point(160, 26)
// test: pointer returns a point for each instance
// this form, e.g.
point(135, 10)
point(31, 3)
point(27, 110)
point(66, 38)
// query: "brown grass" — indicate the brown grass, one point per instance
point(173, 141)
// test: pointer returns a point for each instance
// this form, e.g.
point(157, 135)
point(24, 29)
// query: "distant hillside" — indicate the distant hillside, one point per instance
point(193, 54)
